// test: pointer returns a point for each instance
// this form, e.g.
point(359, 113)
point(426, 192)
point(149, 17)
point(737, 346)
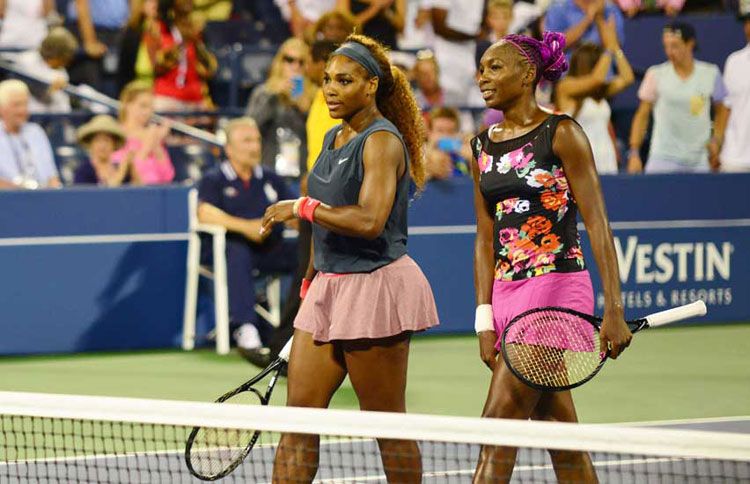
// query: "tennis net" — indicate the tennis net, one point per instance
point(64, 438)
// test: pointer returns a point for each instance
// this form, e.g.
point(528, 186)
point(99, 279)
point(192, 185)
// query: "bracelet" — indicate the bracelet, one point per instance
point(484, 320)
point(304, 288)
point(634, 152)
point(307, 208)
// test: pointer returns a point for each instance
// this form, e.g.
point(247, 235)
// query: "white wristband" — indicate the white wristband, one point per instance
point(295, 207)
point(483, 320)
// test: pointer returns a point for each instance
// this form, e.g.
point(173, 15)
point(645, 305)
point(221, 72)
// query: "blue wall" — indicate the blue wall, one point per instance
point(118, 282)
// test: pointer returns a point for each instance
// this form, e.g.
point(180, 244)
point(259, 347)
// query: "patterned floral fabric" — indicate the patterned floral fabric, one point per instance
point(535, 213)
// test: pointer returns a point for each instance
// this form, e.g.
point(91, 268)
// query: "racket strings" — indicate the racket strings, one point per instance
point(553, 349)
point(214, 451)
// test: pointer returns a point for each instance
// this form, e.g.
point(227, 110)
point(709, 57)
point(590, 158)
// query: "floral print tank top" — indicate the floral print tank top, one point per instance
point(523, 183)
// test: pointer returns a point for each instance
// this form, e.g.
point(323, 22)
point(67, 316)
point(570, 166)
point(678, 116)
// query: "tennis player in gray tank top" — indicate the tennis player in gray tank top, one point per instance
point(363, 295)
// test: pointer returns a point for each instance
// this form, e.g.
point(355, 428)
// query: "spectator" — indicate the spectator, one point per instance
point(735, 152)
point(633, 7)
point(680, 92)
point(302, 14)
point(580, 20)
point(382, 20)
point(319, 120)
point(48, 64)
point(98, 25)
point(182, 62)
point(101, 137)
point(583, 93)
point(457, 25)
point(443, 158)
point(499, 19)
point(235, 194)
point(134, 62)
point(152, 163)
point(417, 33)
point(426, 74)
point(26, 159)
point(280, 107)
point(24, 22)
point(335, 26)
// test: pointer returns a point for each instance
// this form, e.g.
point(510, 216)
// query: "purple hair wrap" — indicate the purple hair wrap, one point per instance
point(548, 55)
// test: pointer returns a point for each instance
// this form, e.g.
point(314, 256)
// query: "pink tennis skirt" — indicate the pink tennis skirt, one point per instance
point(388, 301)
point(572, 290)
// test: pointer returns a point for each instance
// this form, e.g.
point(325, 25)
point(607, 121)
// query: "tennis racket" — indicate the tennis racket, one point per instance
point(212, 453)
point(554, 349)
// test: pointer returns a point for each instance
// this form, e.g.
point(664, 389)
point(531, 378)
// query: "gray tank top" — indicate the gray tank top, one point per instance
point(336, 180)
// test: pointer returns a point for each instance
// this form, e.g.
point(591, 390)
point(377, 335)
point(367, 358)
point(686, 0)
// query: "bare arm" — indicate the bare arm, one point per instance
point(384, 163)
point(625, 76)
point(250, 228)
point(383, 159)
point(570, 87)
point(47, 7)
point(397, 16)
point(7, 185)
point(721, 116)
point(572, 146)
point(91, 44)
point(637, 133)
point(608, 33)
point(440, 24)
point(484, 266)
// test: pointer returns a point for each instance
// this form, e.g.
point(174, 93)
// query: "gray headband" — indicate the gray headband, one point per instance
point(361, 55)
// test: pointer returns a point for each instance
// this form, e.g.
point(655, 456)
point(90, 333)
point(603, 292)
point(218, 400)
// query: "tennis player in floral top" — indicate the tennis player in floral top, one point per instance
point(530, 169)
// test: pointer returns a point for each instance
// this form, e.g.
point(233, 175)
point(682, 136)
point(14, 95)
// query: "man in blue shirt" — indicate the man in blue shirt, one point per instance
point(578, 19)
point(235, 195)
point(26, 159)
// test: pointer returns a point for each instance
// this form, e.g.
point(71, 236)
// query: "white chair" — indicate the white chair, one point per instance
point(218, 274)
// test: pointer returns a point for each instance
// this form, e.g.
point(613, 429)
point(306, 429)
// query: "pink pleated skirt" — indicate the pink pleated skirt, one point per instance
point(388, 301)
point(572, 290)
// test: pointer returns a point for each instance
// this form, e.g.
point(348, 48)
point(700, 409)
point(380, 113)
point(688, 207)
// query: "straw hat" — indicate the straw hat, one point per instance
point(102, 123)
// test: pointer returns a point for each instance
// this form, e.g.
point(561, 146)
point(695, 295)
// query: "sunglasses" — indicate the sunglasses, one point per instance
point(293, 60)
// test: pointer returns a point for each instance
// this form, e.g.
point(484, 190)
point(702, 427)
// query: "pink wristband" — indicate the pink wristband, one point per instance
point(304, 288)
point(307, 208)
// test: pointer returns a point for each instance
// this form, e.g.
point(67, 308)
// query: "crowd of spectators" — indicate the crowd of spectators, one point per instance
point(156, 55)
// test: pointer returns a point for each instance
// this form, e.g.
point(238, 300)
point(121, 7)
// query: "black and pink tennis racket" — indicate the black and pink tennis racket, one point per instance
point(554, 349)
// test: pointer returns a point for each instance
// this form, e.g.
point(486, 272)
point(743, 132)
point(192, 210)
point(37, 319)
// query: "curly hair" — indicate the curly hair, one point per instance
point(396, 102)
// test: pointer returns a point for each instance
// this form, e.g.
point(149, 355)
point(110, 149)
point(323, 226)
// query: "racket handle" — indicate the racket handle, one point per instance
point(284, 353)
point(692, 310)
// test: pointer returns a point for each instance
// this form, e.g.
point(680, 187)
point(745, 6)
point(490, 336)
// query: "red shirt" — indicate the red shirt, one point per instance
point(182, 82)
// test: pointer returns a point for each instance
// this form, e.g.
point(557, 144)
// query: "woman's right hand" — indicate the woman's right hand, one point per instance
point(487, 350)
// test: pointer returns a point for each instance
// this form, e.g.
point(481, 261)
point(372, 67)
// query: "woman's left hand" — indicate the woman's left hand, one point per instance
point(277, 213)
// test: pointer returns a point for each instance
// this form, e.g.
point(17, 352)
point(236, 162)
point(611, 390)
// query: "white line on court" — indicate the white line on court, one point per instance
point(634, 225)
point(92, 239)
point(416, 230)
point(688, 421)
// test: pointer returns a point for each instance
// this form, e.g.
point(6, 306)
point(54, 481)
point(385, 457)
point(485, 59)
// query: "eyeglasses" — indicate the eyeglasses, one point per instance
point(293, 60)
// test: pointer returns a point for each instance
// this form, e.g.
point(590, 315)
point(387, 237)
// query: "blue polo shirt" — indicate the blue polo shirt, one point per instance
point(563, 14)
point(222, 188)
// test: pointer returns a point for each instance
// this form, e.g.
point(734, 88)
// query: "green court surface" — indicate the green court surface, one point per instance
point(672, 373)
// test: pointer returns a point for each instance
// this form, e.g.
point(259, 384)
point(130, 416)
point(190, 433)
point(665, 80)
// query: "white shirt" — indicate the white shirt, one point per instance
point(31, 61)
point(312, 10)
point(735, 154)
point(24, 26)
point(594, 116)
point(457, 58)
